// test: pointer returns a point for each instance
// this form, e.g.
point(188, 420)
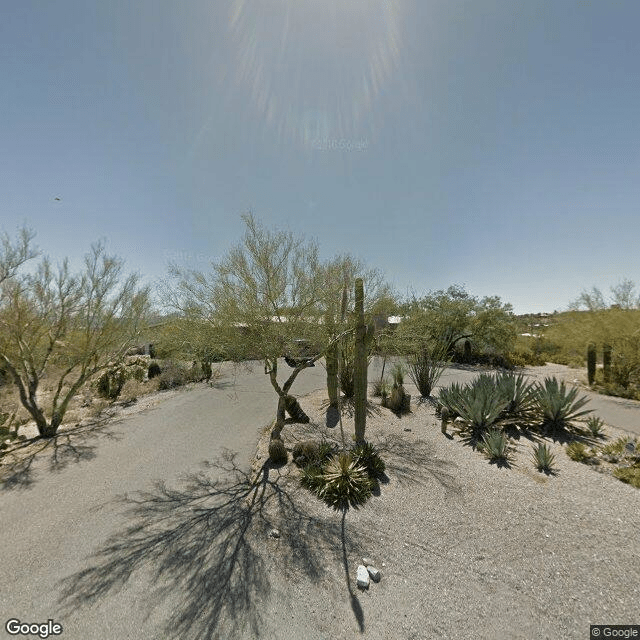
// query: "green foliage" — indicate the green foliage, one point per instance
point(618, 448)
point(451, 398)
point(595, 425)
point(519, 395)
point(311, 452)
point(346, 483)
point(380, 388)
point(312, 478)
point(579, 452)
point(630, 475)
point(557, 405)
point(110, 383)
point(277, 452)
point(367, 456)
point(495, 445)
point(543, 458)
point(479, 404)
point(397, 400)
point(347, 368)
point(446, 317)
point(426, 365)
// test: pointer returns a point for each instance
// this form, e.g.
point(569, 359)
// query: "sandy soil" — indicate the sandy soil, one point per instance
point(466, 549)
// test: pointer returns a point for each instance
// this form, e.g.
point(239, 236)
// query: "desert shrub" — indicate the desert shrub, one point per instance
point(110, 383)
point(397, 400)
point(311, 452)
point(595, 425)
point(345, 482)
point(619, 448)
point(451, 397)
point(579, 452)
point(367, 456)
point(207, 370)
point(380, 388)
point(425, 368)
point(154, 370)
point(525, 358)
point(173, 375)
point(495, 445)
point(557, 405)
point(277, 451)
point(543, 458)
point(630, 475)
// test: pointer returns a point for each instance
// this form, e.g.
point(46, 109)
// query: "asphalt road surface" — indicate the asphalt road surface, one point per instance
point(54, 517)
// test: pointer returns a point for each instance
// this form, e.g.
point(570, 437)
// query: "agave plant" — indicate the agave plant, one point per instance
point(480, 405)
point(346, 482)
point(519, 394)
point(558, 405)
point(595, 425)
point(450, 397)
point(495, 445)
point(543, 459)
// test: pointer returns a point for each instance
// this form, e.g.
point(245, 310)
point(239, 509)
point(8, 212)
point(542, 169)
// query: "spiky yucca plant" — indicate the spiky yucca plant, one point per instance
point(367, 456)
point(557, 405)
point(595, 425)
point(543, 459)
point(345, 482)
point(425, 368)
point(312, 478)
point(495, 445)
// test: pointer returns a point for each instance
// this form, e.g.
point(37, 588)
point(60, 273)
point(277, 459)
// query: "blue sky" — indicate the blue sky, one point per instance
point(490, 143)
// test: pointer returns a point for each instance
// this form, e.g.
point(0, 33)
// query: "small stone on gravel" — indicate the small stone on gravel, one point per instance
point(362, 578)
point(374, 573)
point(274, 533)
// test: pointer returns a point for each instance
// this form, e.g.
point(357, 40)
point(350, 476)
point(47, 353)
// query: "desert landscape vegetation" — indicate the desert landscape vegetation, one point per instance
point(423, 409)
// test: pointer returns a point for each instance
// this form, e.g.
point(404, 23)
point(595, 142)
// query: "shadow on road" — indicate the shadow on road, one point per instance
point(210, 546)
point(18, 467)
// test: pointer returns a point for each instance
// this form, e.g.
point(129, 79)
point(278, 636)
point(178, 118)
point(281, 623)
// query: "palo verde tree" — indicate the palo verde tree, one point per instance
point(446, 317)
point(14, 253)
point(262, 297)
point(67, 327)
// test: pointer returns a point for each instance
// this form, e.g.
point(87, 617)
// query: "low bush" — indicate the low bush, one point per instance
point(278, 453)
point(630, 475)
point(154, 370)
point(543, 459)
point(173, 375)
point(495, 445)
point(579, 452)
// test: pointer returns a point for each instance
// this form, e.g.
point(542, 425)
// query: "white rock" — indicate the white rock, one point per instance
point(362, 579)
point(374, 573)
point(366, 562)
point(274, 533)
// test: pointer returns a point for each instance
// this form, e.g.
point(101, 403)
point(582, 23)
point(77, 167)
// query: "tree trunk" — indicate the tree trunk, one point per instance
point(360, 365)
point(278, 423)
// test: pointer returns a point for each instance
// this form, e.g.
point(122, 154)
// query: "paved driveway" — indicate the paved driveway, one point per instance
point(64, 509)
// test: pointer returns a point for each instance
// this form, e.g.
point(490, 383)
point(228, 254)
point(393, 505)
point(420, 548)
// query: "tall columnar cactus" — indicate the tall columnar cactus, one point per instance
point(360, 365)
point(606, 362)
point(331, 360)
point(591, 363)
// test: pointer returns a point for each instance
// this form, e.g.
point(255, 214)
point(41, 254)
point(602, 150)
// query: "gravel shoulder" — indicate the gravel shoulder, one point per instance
point(466, 549)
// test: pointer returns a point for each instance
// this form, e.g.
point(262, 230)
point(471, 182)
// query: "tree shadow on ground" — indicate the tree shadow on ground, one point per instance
point(415, 462)
point(211, 546)
point(76, 444)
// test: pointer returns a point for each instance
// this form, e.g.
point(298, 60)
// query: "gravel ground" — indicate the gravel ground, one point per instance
point(466, 549)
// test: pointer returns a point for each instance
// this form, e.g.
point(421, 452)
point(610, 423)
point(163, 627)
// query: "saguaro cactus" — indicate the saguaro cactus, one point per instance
point(331, 360)
point(606, 362)
point(591, 363)
point(360, 365)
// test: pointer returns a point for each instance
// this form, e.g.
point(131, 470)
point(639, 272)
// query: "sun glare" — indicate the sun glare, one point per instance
point(312, 68)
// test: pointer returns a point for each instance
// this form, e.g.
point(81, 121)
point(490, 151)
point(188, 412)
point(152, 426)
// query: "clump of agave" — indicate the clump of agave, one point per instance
point(345, 482)
point(558, 405)
point(495, 445)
